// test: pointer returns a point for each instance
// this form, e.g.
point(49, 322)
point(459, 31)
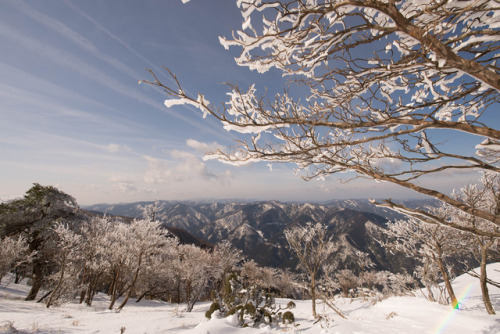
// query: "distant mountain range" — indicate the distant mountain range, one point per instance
point(257, 228)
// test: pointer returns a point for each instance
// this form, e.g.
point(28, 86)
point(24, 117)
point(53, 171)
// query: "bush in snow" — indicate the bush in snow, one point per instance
point(248, 304)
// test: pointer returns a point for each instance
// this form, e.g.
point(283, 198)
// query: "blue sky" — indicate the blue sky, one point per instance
point(74, 116)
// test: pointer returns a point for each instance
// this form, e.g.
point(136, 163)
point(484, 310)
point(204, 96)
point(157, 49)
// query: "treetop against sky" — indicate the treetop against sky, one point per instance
point(74, 115)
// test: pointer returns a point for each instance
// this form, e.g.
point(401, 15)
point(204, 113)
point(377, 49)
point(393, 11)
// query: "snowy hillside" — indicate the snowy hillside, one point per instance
point(394, 315)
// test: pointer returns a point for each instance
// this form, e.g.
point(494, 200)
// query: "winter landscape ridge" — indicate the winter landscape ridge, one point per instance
point(257, 227)
point(118, 101)
point(395, 315)
point(411, 313)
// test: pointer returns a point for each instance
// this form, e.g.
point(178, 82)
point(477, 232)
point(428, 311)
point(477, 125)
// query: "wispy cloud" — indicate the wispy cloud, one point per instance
point(159, 71)
point(40, 99)
point(75, 63)
point(114, 148)
point(99, 26)
point(63, 30)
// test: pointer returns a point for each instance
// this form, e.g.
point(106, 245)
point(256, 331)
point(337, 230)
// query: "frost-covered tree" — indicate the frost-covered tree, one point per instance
point(152, 211)
point(380, 79)
point(33, 218)
point(115, 252)
point(224, 260)
point(346, 280)
point(428, 273)
point(435, 243)
point(261, 276)
point(364, 262)
point(286, 283)
point(118, 256)
point(312, 246)
point(440, 241)
point(329, 286)
point(146, 240)
point(484, 196)
point(160, 277)
point(195, 271)
point(95, 263)
point(68, 262)
point(13, 253)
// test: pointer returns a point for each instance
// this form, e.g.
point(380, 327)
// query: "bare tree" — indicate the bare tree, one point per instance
point(435, 241)
point(485, 195)
point(224, 259)
point(312, 247)
point(68, 260)
point(196, 272)
point(152, 211)
point(428, 242)
point(346, 280)
point(381, 77)
point(13, 253)
point(144, 240)
point(94, 251)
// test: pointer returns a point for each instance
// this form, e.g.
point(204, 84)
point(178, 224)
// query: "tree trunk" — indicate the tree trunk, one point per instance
point(83, 293)
point(483, 279)
point(19, 275)
point(59, 283)
point(92, 288)
point(188, 290)
point(114, 289)
point(195, 295)
point(85, 279)
point(90, 294)
point(44, 296)
point(313, 295)
point(132, 287)
point(446, 279)
point(144, 294)
point(37, 280)
point(430, 295)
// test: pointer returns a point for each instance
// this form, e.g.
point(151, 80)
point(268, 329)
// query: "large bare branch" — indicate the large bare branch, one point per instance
point(431, 66)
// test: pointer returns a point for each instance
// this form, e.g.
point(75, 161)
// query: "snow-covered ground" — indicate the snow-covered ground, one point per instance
point(393, 315)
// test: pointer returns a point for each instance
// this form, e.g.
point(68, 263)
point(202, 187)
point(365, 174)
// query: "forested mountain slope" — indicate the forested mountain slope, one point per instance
point(257, 228)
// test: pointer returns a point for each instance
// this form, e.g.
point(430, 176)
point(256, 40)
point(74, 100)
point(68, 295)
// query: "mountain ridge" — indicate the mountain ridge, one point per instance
point(257, 228)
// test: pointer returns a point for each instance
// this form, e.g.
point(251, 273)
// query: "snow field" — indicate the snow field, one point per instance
point(395, 315)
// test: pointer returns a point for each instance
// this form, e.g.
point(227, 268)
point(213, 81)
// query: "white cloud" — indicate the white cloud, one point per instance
point(114, 148)
point(122, 184)
point(183, 166)
point(389, 165)
point(202, 147)
point(156, 171)
point(323, 187)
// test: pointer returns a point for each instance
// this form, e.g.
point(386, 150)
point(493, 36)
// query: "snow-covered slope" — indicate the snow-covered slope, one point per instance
point(412, 315)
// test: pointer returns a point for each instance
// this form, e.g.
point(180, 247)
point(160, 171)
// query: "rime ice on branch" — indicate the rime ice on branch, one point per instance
point(382, 76)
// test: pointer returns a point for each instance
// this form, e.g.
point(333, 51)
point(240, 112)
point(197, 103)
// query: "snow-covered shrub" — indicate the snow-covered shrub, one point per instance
point(249, 304)
point(288, 317)
point(213, 307)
